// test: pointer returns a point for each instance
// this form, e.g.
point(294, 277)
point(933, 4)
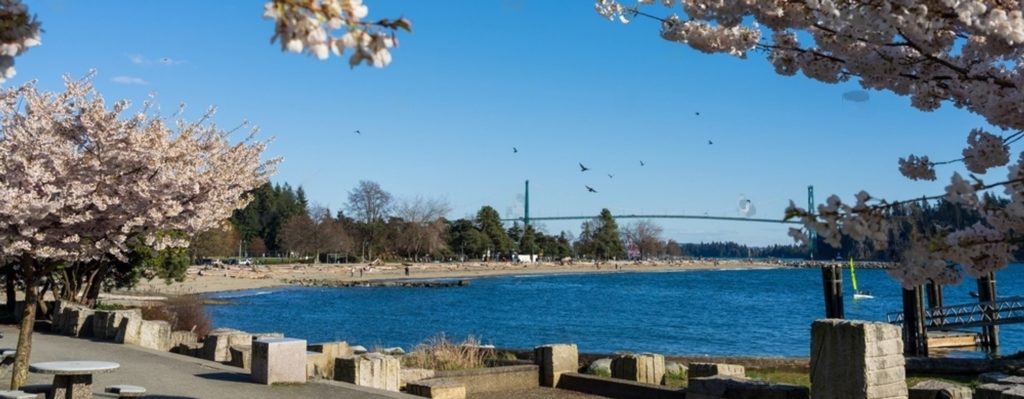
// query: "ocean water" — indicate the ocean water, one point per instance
point(716, 312)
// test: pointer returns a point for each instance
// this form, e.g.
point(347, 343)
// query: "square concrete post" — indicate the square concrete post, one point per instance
point(554, 360)
point(279, 360)
point(852, 359)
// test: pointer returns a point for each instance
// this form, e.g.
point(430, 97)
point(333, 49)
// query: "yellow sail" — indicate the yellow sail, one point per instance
point(853, 276)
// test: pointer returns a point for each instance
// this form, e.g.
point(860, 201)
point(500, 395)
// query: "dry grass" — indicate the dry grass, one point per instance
point(183, 313)
point(438, 353)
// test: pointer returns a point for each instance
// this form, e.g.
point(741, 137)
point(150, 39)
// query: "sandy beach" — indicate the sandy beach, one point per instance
point(208, 279)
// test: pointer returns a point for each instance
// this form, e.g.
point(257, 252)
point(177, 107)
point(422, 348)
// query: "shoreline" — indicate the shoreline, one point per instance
point(209, 279)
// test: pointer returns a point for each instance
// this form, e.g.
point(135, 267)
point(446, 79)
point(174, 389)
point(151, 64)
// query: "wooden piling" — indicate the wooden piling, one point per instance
point(832, 284)
point(987, 293)
point(915, 338)
point(934, 291)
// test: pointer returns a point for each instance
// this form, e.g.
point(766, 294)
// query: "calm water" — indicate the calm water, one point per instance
point(724, 312)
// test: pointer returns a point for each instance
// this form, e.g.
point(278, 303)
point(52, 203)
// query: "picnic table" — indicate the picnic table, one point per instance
point(73, 379)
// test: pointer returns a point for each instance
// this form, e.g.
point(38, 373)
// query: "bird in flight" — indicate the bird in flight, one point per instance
point(697, 113)
point(357, 132)
point(610, 175)
point(710, 142)
point(515, 150)
point(642, 163)
point(590, 189)
point(583, 168)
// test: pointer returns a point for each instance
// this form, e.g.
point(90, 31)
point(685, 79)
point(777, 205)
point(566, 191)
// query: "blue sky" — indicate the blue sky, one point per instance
point(477, 78)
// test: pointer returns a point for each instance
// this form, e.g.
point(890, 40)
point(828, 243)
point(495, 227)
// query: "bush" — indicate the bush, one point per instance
point(438, 353)
point(184, 312)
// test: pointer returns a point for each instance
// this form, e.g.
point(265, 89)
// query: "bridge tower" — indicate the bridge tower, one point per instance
point(526, 206)
point(811, 234)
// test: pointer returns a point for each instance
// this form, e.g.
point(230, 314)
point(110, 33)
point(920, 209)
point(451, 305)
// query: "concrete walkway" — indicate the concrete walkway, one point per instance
point(171, 376)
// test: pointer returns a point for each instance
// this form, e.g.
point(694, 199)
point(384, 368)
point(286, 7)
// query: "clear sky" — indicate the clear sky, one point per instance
point(478, 78)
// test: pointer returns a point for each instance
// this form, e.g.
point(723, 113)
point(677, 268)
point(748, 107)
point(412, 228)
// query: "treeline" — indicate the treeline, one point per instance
point(281, 222)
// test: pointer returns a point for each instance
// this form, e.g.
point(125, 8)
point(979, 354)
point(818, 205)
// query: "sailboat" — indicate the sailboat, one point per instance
point(858, 294)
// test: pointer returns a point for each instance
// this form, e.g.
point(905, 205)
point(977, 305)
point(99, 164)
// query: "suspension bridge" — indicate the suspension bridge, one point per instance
point(527, 219)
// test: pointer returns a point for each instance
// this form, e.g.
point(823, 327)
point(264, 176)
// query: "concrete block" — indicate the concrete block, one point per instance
point(438, 389)
point(279, 360)
point(105, 323)
point(856, 359)
point(724, 386)
point(313, 360)
point(129, 330)
point(182, 337)
point(556, 359)
point(372, 370)
point(410, 375)
point(323, 366)
point(933, 389)
point(700, 370)
point(155, 334)
point(1017, 392)
point(646, 368)
point(217, 343)
point(193, 350)
point(990, 391)
point(241, 356)
point(76, 320)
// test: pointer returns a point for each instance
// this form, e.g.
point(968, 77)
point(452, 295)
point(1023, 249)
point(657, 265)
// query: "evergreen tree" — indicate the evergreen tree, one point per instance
point(606, 239)
point(489, 223)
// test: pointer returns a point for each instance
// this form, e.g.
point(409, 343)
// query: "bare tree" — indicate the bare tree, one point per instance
point(369, 202)
point(218, 241)
point(646, 235)
point(314, 233)
point(423, 226)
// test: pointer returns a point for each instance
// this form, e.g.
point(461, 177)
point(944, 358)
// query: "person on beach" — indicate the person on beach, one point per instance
point(407, 270)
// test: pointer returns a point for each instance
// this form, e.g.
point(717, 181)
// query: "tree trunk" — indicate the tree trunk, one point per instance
point(19, 373)
point(92, 291)
point(12, 293)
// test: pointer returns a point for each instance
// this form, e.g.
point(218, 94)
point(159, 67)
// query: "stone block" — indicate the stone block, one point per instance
point(258, 336)
point(725, 386)
point(323, 366)
point(192, 350)
point(438, 389)
point(106, 322)
point(411, 375)
point(990, 391)
point(856, 359)
point(700, 370)
point(241, 356)
point(313, 360)
point(182, 337)
point(556, 359)
point(372, 370)
point(129, 330)
point(1017, 392)
point(76, 320)
point(933, 389)
point(279, 360)
point(155, 334)
point(217, 343)
point(646, 368)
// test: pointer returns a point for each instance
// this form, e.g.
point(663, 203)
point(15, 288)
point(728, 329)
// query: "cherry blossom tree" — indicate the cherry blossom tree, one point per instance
point(964, 53)
point(83, 181)
point(18, 32)
point(309, 26)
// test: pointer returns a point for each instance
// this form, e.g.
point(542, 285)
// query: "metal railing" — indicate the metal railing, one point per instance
point(1004, 311)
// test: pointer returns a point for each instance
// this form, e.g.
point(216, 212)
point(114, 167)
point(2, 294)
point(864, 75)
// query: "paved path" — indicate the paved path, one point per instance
point(171, 376)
